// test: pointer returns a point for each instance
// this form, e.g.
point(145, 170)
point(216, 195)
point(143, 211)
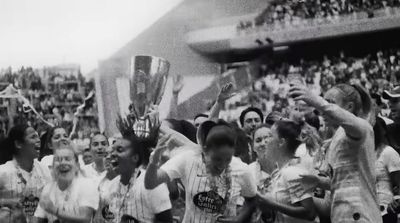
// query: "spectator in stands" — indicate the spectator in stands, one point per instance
point(393, 129)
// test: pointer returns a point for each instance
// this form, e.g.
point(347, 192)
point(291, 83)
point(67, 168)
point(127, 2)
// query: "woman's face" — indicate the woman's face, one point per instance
point(218, 159)
point(261, 137)
point(31, 144)
point(65, 164)
point(272, 143)
point(98, 146)
point(60, 137)
point(121, 158)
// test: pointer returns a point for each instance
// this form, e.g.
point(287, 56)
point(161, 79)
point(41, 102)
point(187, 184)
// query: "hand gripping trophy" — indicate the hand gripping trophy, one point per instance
point(147, 80)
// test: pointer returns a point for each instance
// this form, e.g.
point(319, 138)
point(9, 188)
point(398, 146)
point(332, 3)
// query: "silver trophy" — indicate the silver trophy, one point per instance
point(148, 77)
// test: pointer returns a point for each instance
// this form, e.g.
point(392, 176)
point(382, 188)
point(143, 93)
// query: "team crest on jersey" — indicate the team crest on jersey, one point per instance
point(30, 204)
point(128, 219)
point(210, 202)
point(107, 214)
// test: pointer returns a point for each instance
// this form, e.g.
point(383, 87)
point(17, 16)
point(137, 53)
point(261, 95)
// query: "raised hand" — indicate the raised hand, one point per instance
point(301, 92)
point(225, 93)
point(162, 145)
point(177, 84)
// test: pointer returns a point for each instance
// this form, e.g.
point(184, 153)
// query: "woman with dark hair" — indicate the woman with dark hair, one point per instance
point(128, 199)
point(98, 146)
point(55, 137)
point(69, 197)
point(351, 152)
point(212, 177)
point(22, 178)
point(388, 173)
point(282, 192)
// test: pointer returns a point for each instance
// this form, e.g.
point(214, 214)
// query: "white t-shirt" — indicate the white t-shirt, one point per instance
point(81, 193)
point(200, 206)
point(27, 186)
point(286, 189)
point(388, 161)
point(134, 201)
point(90, 172)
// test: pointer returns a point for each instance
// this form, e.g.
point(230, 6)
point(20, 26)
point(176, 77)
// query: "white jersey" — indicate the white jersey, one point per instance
point(89, 171)
point(203, 205)
point(81, 193)
point(133, 201)
point(16, 183)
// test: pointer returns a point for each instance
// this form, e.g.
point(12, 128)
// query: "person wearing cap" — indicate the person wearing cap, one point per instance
point(393, 129)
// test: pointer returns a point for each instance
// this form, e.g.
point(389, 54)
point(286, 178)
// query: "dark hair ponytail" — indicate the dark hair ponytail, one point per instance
point(215, 134)
point(16, 133)
point(290, 131)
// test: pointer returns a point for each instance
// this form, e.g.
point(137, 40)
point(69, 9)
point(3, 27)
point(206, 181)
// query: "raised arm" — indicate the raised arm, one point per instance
point(177, 86)
point(223, 95)
point(154, 175)
point(354, 126)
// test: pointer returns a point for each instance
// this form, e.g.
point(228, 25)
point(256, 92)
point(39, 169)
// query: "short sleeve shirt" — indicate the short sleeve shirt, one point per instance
point(81, 193)
point(388, 161)
point(202, 205)
point(135, 201)
point(286, 189)
point(16, 183)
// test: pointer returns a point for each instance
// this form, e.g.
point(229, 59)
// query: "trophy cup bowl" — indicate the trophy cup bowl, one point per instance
point(147, 80)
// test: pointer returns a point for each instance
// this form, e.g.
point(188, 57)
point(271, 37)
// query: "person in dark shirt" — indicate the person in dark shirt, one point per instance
point(393, 130)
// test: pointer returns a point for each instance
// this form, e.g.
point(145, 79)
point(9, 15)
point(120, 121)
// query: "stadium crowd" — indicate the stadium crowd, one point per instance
point(375, 72)
point(54, 96)
point(280, 13)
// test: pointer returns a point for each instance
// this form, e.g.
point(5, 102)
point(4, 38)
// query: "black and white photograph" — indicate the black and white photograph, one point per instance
point(200, 111)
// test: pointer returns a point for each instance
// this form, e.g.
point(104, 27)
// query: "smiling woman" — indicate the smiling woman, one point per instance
point(70, 197)
point(96, 170)
point(22, 178)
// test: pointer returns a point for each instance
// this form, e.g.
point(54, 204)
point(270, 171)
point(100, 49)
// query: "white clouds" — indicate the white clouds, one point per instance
point(48, 32)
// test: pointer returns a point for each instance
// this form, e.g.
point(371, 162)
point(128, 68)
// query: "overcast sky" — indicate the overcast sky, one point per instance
point(50, 32)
